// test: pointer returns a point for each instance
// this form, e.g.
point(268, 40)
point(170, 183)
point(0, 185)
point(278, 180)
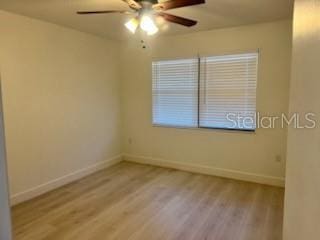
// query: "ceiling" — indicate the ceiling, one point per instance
point(213, 14)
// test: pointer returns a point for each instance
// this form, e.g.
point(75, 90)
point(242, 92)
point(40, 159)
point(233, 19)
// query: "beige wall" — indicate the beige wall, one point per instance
point(61, 100)
point(248, 153)
point(302, 204)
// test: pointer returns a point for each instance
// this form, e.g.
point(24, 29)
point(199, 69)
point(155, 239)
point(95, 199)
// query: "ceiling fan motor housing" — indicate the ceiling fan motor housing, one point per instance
point(148, 1)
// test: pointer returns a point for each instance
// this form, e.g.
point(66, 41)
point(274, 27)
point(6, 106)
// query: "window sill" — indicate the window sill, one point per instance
point(207, 128)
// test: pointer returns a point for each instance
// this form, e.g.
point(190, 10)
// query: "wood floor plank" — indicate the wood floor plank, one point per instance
point(65, 194)
point(133, 201)
point(140, 209)
point(106, 222)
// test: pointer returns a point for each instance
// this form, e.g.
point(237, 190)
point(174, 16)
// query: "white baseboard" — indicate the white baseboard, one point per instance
point(220, 172)
point(56, 183)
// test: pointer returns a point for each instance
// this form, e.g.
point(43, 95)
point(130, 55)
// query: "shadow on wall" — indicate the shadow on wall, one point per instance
point(5, 219)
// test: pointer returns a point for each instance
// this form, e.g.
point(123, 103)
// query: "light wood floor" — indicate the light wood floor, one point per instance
point(139, 202)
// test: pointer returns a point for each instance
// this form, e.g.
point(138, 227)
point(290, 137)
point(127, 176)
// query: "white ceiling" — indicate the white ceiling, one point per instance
point(213, 14)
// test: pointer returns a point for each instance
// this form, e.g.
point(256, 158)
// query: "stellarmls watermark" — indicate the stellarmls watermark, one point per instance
point(257, 120)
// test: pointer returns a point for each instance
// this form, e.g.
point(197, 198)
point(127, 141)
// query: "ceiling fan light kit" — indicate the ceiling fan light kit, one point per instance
point(132, 25)
point(146, 10)
point(147, 24)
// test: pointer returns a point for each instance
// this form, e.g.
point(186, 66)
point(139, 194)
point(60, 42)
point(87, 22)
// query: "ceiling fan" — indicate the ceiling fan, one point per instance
point(146, 10)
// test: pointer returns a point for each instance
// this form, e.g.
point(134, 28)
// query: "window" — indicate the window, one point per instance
point(228, 91)
point(175, 93)
point(206, 92)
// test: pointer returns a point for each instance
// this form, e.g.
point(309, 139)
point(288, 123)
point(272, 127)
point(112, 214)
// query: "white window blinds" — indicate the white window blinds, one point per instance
point(228, 91)
point(175, 93)
point(221, 95)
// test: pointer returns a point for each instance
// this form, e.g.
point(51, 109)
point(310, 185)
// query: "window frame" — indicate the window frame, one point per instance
point(199, 127)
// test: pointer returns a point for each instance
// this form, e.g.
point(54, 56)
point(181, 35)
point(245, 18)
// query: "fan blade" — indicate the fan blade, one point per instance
point(177, 4)
point(178, 20)
point(101, 12)
point(133, 4)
